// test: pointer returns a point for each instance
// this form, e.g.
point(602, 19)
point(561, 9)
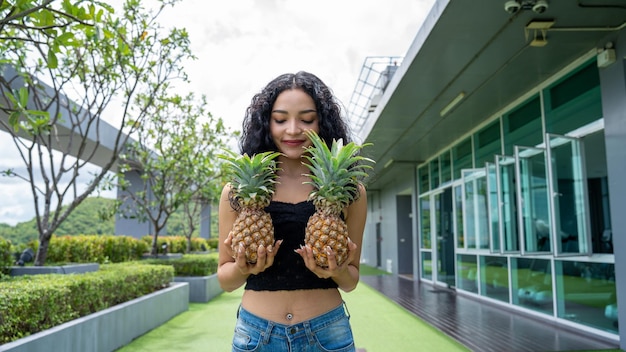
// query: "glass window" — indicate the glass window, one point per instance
point(445, 162)
point(461, 157)
point(434, 173)
point(467, 272)
point(569, 189)
point(586, 294)
point(534, 214)
point(493, 207)
point(522, 126)
point(532, 284)
point(475, 209)
point(494, 278)
point(427, 266)
point(458, 209)
point(487, 143)
point(423, 179)
point(507, 198)
point(425, 241)
point(574, 102)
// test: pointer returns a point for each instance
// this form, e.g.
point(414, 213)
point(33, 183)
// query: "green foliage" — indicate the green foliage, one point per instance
point(30, 304)
point(93, 248)
point(6, 256)
point(174, 150)
point(177, 244)
point(89, 55)
point(190, 264)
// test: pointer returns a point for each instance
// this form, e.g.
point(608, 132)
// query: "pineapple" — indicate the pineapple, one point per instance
point(335, 174)
point(253, 182)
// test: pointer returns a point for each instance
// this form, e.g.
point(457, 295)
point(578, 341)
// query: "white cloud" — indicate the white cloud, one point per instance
point(242, 45)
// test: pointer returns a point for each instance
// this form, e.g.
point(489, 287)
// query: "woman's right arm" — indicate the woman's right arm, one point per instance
point(232, 269)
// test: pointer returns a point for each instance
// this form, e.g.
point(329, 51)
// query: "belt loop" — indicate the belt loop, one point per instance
point(345, 306)
point(268, 332)
point(309, 334)
point(238, 310)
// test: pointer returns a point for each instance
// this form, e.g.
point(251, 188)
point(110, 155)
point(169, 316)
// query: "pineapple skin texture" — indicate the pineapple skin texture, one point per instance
point(254, 228)
point(327, 230)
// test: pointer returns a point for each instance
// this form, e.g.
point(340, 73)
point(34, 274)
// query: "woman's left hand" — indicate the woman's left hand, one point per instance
point(333, 269)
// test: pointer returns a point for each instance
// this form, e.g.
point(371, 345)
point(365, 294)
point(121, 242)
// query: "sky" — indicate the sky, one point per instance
point(241, 45)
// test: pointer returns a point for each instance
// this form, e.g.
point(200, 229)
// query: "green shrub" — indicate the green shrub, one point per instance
point(212, 243)
point(29, 304)
point(93, 249)
point(189, 264)
point(6, 256)
point(177, 244)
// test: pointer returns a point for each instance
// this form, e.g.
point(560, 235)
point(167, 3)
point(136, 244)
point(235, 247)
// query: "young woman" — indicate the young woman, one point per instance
point(289, 303)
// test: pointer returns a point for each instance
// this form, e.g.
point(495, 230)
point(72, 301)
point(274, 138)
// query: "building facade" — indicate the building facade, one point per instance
point(500, 144)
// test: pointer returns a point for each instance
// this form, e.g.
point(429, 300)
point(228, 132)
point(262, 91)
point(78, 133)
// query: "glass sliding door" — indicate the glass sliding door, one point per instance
point(443, 231)
point(569, 195)
point(507, 198)
point(533, 200)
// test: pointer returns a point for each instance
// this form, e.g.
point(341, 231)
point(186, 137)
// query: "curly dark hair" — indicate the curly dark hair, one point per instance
point(256, 136)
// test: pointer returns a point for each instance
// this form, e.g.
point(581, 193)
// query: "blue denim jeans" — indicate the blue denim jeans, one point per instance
point(330, 331)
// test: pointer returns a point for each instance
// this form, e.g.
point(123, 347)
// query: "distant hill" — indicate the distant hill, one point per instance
point(84, 220)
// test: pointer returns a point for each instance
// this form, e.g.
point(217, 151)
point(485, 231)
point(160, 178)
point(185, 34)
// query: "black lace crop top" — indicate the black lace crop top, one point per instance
point(288, 271)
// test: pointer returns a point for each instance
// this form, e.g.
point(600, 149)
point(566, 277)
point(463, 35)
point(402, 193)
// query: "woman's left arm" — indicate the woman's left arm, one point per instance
point(345, 275)
point(348, 278)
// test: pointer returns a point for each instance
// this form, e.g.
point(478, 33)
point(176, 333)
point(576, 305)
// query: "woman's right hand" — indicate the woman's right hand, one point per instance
point(265, 256)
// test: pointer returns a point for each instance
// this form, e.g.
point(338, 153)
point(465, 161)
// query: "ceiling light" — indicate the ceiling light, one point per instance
point(452, 104)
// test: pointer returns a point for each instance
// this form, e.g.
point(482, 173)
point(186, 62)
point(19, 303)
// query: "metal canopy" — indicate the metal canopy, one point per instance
point(478, 48)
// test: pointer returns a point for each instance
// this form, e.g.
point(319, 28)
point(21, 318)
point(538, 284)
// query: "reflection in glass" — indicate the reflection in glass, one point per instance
point(494, 278)
point(467, 273)
point(533, 199)
point(445, 239)
point(505, 167)
point(425, 222)
point(586, 294)
point(493, 207)
point(569, 190)
point(475, 209)
point(532, 284)
point(427, 266)
point(458, 206)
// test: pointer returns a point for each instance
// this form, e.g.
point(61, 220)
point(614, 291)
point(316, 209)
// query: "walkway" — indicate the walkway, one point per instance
point(479, 325)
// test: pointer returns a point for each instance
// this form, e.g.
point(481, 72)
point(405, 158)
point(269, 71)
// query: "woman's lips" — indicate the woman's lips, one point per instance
point(293, 143)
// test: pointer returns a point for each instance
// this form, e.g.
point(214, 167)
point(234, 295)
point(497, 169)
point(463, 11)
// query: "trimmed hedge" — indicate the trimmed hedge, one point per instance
point(6, 257)
point(93, 249)
point(178, 244)
point(189, 264)
point(29, 304)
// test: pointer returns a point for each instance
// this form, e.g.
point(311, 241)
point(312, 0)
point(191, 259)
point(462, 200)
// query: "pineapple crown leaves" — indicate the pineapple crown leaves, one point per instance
point(335, 172)
point(252, 178)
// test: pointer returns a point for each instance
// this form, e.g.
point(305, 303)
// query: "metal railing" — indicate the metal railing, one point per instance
point(375, 75)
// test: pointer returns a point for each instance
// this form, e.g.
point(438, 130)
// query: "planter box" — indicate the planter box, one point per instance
point(61, 269)
point(201, 288)
point(110, 329)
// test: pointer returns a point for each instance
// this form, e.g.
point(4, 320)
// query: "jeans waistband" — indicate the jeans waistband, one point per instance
point(318, 322)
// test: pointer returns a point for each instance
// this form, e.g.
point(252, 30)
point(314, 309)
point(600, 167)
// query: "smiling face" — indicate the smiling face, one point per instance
point(293, 113)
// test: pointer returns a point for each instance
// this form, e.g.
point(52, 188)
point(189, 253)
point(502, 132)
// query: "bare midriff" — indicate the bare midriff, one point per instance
point(290, 307)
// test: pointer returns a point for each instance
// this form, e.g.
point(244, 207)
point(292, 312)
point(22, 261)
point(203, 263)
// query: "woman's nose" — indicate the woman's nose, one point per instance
point(294, 128)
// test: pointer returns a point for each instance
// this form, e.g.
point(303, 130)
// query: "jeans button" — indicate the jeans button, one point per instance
point(293, 330)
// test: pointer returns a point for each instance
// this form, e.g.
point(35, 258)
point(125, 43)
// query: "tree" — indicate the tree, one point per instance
point(62, 66)
point(174, 154)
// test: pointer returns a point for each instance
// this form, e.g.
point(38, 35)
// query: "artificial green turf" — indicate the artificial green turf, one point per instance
point(378, 325)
